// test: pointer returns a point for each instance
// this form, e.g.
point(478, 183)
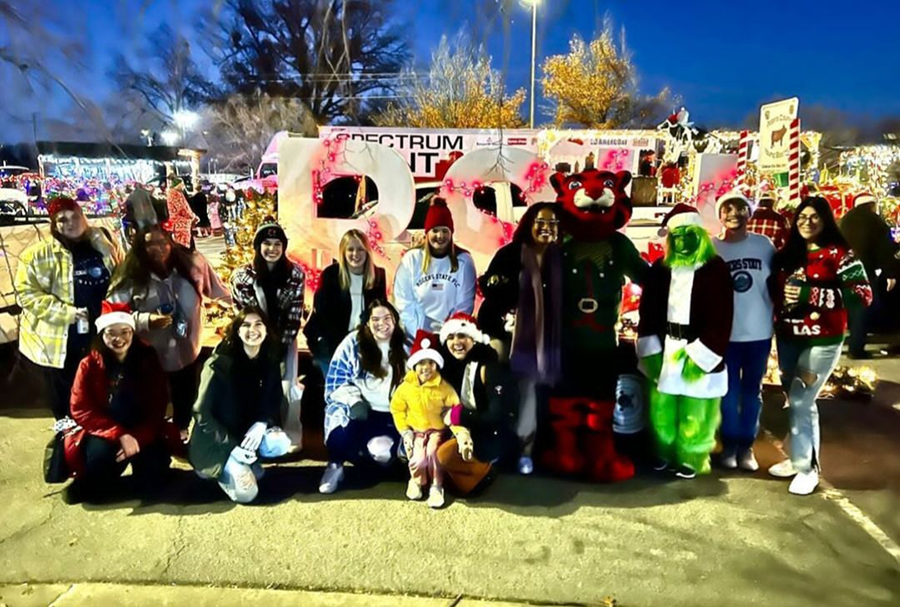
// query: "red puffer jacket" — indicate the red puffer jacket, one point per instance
point(90, 399)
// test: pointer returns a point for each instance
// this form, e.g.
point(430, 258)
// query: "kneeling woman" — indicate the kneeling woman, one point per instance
point(119, 399)
point(367, 367)
point(234, 416)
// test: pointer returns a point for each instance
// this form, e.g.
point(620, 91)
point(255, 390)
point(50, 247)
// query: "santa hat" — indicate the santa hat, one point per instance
point(460, 322)
point(863, 198)
point(438, 215)
point(114, 314)
point(423, 348)
point(269, 229)
point(733, 195)
point(682, 215)
point(62, 203)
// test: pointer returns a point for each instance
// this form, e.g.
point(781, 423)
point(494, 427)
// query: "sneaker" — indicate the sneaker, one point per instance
point(804, 483)
point(660, 465)
point(783, 469)
point(729, 461)
point(413, 490)
point(685, 472)
point(436, 497)
point(526, 466)
point(748, 461)
point(334, 474)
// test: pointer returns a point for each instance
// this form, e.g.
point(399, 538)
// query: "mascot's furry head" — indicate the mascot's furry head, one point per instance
point(594, 203)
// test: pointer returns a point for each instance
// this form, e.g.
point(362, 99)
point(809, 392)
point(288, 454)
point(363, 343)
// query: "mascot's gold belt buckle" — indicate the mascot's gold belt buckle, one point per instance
point(588, 305)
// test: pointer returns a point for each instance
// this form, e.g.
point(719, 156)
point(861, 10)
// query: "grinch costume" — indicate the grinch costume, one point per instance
point(686, 313)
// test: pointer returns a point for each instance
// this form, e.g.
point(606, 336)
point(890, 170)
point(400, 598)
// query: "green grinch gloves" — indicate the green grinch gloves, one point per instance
point(653, 366)
point(691, 371)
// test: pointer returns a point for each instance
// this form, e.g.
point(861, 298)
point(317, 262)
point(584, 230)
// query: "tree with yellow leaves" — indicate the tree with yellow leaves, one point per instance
point(595, 86)
point(460, 91)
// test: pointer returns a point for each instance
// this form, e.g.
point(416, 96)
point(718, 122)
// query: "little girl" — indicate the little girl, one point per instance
point(419, 406)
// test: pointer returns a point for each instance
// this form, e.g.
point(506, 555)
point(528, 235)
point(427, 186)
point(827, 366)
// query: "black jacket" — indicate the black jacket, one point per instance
point(492, 421)
point(870, 238)
point(327, 325)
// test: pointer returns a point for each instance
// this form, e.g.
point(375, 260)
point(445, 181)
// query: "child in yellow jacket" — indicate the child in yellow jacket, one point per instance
point(419, 407)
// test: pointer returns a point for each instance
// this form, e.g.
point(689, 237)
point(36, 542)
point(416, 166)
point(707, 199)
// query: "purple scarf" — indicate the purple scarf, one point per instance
point(536, 339)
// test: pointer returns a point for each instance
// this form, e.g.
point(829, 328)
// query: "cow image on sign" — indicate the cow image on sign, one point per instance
point(480, 233)
point(305, 166)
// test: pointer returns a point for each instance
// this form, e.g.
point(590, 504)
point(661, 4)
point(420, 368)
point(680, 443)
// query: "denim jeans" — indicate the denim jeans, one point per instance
point(746, 363)
point(804, 370)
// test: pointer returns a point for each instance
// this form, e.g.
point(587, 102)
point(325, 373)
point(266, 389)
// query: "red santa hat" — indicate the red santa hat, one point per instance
point(460, 322)
point(438, 215)
point(114, 314)
point(864, 198)
point(62, 203)
point(682, 215)
point(734, 195)
point(423, 349)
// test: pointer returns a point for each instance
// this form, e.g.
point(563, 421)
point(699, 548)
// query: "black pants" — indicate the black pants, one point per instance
point(349, 444)
point(149, 466)
point(183, 385)
point(58, 382)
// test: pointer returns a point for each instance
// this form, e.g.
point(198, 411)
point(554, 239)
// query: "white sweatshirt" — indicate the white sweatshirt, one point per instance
point(426, 299)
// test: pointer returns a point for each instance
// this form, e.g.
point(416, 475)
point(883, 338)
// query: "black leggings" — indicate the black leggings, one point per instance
point(184, 385)
point(149, 466)
point(59, 382)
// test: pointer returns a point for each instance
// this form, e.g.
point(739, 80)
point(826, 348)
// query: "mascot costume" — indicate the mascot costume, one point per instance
point(597, 259)
point(685, 309)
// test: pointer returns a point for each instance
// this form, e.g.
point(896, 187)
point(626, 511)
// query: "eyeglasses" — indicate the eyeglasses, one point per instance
point(808, 219)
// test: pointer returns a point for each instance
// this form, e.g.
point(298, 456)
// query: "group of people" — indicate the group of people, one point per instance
point(421, 379)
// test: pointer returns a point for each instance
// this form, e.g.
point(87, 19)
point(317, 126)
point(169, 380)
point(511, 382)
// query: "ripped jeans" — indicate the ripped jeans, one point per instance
point(804, 370)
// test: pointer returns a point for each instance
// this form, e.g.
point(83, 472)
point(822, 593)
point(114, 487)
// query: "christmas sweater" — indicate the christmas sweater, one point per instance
point(832, 280)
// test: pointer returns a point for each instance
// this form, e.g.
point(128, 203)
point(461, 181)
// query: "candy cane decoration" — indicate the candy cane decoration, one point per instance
point(743, 157)
point(794, 164)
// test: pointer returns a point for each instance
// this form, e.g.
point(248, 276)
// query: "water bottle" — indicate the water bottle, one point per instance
point(82, 324)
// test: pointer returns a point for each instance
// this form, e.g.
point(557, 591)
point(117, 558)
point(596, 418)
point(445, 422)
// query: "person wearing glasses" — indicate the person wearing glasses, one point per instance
point(366, 369)
point(817, 278)
point(522, 313)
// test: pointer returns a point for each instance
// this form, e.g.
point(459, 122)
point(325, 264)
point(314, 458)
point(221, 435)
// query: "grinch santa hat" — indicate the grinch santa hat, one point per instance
point(682, 215)
point(114, 314)
point(423, 349)
point(863, 198)
point(463, 323)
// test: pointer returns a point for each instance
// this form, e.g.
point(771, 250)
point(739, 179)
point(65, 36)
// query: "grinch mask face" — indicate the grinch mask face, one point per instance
point(689, 246)
point(685, 241)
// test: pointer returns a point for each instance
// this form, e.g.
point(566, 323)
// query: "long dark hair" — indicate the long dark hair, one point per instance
point(370, 353)
point(278, 275)
point(133, 361)
point(232, 344)
point(136, 267)
point(523, 234)
point(794, 253)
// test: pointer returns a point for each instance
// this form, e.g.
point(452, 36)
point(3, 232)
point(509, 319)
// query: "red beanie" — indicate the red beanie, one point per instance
point(62, 203)
point(438, 215)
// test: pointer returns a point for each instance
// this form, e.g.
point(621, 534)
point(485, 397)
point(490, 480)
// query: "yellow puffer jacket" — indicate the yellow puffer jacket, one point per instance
point(421, 407)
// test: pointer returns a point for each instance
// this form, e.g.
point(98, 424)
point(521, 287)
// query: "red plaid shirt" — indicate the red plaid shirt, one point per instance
point(770, 223)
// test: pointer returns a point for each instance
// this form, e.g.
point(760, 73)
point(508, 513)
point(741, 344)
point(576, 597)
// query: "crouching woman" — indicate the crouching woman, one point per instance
point(119, 399)
point(239, 401)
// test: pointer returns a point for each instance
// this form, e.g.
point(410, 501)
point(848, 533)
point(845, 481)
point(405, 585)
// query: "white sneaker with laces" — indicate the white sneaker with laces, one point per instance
point(804, 483)
point(748, 462)
point(783, 469)
point(526, 466)
point(436, 496)
point(729, 461)
point(334, 474)
point(413, 490)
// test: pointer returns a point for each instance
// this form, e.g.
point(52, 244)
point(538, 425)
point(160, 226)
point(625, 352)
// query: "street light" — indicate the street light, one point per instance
point(184, 120)
point(169, 137)
point(533, 4)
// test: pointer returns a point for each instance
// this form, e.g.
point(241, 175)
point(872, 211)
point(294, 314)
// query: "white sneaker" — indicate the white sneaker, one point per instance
point(436, 496)
point(334, 474)
point(783, 469)
point(748, 461)
point(729, 461)
point(804, 483)
point(526, 466)
point(413, 490)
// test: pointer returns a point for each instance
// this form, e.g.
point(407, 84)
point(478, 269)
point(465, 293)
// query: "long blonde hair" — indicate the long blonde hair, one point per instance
point(368, 273)
point(454, 255)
